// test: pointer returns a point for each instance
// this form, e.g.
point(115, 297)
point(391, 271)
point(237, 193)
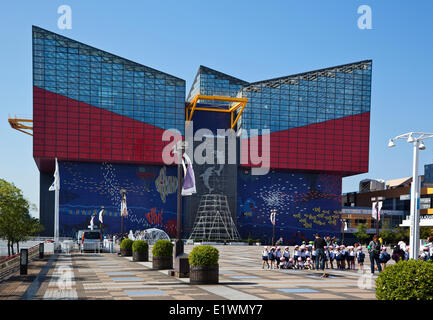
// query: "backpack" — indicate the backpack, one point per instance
point(271, 255)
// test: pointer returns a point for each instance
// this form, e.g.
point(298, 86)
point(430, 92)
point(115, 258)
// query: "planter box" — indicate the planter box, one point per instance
point(204, 275)
point(140, 255)
point(161, 263)
point(125, 252)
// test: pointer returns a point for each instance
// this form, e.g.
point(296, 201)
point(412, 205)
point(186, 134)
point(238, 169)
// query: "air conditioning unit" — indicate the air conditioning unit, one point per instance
point(368, 185)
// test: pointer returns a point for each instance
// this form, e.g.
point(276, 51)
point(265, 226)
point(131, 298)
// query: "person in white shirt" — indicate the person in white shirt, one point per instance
point(308, 251)
point(277, 257)
point(308, 265)
point(283, 263)
point(360, 256)
point(303, 254)
point(313, 257)
point(300, 264)
point(296, 254)
point(265, 257)
point(352, 255)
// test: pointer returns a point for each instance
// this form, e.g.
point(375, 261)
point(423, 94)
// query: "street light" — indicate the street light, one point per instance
point(181, 262)
point(391, 143)
point(417, 138)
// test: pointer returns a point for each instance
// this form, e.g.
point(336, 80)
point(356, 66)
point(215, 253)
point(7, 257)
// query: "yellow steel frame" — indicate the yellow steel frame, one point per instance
point(18, 124)
point(240, 103)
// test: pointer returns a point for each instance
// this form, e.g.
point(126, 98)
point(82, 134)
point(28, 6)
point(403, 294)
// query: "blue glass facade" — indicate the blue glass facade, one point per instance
point(92, 76)
point(214, 83)
point(308, 98)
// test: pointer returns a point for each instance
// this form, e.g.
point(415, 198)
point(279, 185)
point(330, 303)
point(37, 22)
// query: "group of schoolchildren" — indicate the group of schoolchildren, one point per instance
point(304, 257)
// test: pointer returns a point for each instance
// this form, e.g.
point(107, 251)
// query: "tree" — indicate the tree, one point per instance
point(361, 233)
point(401, 234)
point(16, 224)
point(387, 234)
point(425, 232)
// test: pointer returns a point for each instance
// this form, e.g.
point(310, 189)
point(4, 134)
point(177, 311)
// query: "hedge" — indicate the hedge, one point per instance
point(203, 256)
point(126, 244)
point(140, 245)
point(162, 248)
point(406, 280)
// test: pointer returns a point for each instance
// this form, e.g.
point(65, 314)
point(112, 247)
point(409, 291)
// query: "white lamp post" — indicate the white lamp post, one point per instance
point(417, 139)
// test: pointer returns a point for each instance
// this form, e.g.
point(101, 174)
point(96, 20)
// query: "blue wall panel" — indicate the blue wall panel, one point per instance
point(306, 203)
point(85, 187)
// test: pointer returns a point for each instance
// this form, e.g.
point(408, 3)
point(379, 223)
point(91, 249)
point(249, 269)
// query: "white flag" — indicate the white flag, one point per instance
point(374, 210)
point(189, 177)
point(100, 215)
point(379, 209)
point(91, 222)
point(56, 184)
point(123, 208)
point(272, 217)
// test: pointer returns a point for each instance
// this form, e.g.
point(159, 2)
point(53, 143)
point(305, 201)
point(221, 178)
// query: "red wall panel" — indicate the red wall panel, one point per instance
point(73, 130)
point(340, 145)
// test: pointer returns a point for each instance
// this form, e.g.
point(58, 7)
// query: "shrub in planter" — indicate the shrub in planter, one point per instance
point(203, 261)
point(140, 251)
point(162, 253)
point(406, 280)
point(126, 247)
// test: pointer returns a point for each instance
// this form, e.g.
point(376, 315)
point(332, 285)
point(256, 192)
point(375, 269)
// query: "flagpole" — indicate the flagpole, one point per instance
point(56, 216)
point(56, 204)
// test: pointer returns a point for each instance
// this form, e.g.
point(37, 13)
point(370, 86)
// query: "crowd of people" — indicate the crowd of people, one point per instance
point(327, 254)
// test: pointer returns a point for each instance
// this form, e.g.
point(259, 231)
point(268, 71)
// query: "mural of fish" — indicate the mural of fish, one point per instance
point(165, 184)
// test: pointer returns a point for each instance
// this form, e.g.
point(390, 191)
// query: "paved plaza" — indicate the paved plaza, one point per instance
point(108, 276)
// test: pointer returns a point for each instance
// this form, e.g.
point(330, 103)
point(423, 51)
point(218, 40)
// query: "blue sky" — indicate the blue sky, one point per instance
point(252, 40)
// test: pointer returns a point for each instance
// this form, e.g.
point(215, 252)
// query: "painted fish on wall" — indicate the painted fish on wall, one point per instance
point(165, 184)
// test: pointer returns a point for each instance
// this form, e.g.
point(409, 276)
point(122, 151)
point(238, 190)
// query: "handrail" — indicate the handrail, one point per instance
point(11, 263)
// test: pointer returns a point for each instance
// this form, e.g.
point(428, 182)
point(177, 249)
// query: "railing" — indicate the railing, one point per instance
point(11, 264)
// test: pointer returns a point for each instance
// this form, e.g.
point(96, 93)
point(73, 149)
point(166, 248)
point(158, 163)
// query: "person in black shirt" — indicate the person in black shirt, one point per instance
point(319, 246)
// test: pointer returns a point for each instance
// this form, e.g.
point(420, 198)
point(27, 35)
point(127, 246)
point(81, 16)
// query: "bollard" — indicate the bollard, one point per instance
point(24, 261)
point(41, 250)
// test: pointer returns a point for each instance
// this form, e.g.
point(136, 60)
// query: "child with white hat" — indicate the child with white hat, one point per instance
point(360, 256)
point(265, 257)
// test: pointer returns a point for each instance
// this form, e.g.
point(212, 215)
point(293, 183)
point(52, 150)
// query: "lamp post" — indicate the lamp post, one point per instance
point(417, 138)
point(181, 262)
